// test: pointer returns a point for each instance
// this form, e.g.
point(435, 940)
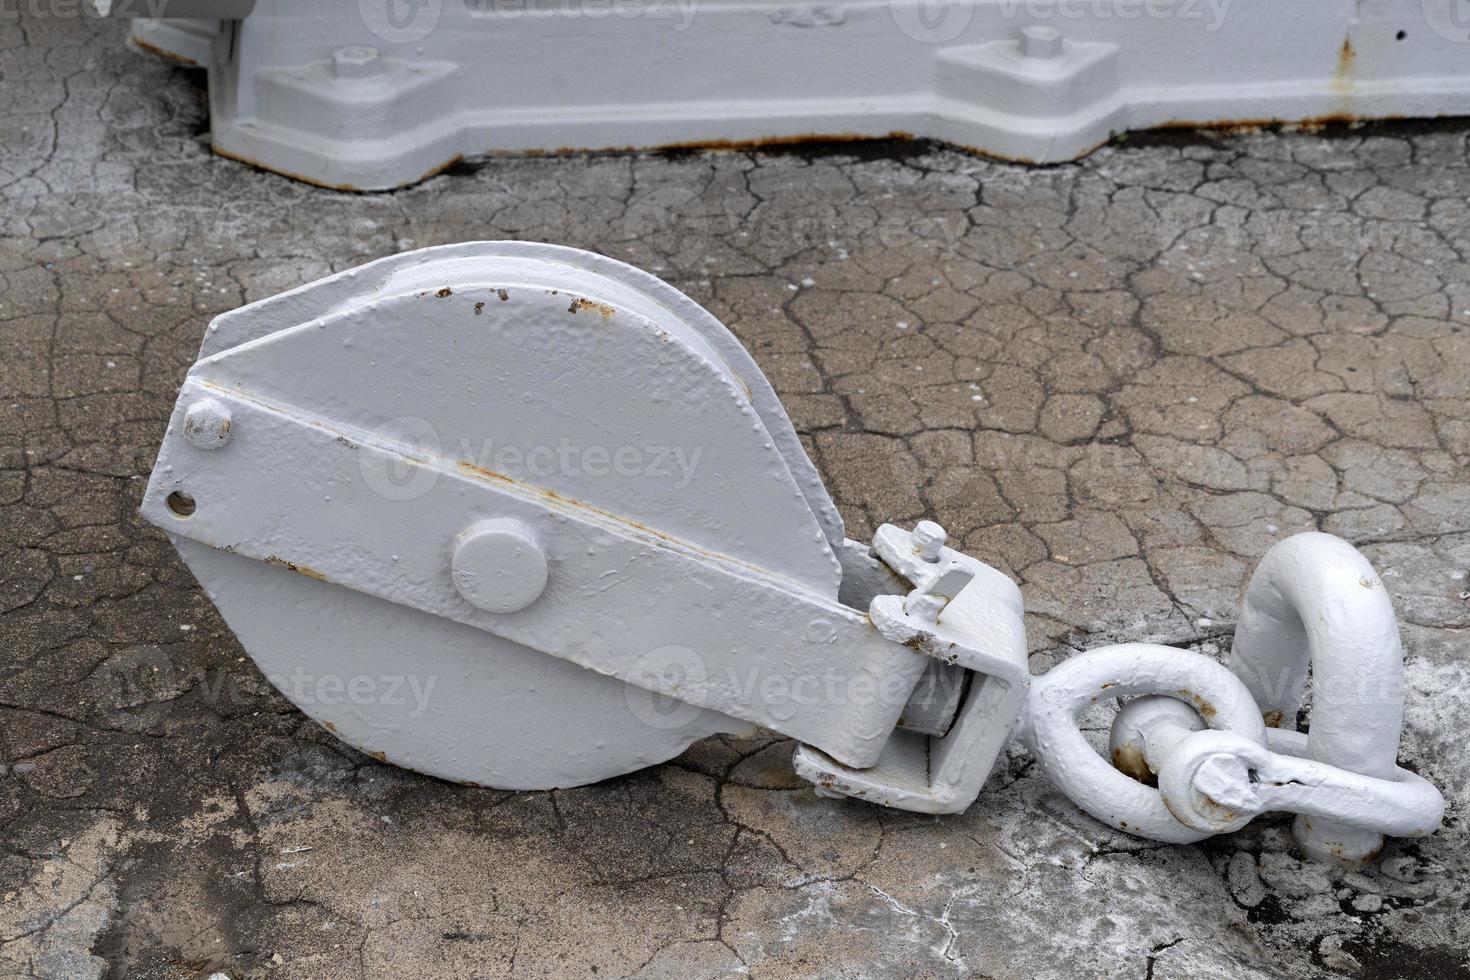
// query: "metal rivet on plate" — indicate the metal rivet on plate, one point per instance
point(207, 424)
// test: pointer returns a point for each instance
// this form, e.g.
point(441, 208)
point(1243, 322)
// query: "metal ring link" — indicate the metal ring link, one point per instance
point(1205, 689)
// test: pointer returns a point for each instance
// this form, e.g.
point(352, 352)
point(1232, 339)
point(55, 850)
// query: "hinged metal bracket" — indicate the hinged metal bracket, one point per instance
point(980, 629)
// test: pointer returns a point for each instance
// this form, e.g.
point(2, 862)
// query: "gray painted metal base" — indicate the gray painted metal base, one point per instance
point(347, 94)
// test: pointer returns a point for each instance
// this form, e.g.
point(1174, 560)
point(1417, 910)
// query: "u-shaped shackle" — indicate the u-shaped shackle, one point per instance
point(1316, 603)
point(1314, 607)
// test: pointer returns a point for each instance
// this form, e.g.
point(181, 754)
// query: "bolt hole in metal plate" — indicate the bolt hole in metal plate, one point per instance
point(564, 373)
point(181, 504)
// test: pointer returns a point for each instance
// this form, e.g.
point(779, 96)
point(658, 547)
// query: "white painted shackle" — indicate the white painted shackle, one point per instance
point(1201, 729)
point(1315, 601)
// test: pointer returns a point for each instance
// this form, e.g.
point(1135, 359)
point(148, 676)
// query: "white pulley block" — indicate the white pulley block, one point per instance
point(526, 517)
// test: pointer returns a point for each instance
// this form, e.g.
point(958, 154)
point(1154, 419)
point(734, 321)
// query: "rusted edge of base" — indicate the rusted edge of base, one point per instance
point(315, 182)
point(145, 48)
point(1229, 127)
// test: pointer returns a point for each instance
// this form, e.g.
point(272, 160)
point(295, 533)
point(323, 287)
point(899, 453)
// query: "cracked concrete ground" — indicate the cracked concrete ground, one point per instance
point(1119, 380)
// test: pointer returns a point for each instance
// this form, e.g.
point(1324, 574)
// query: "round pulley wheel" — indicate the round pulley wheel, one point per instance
point(554, 371)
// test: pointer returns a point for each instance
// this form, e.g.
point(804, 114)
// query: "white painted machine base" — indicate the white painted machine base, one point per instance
point(375, 94)
point(182, 39)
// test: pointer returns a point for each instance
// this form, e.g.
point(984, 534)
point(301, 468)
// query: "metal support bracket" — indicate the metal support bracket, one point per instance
point(977, 626)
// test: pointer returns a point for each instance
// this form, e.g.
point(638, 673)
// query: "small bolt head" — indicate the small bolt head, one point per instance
point(499, 566)
point(356, 62)
point(1038, 41)
point(929, 540)
point(206, 424)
